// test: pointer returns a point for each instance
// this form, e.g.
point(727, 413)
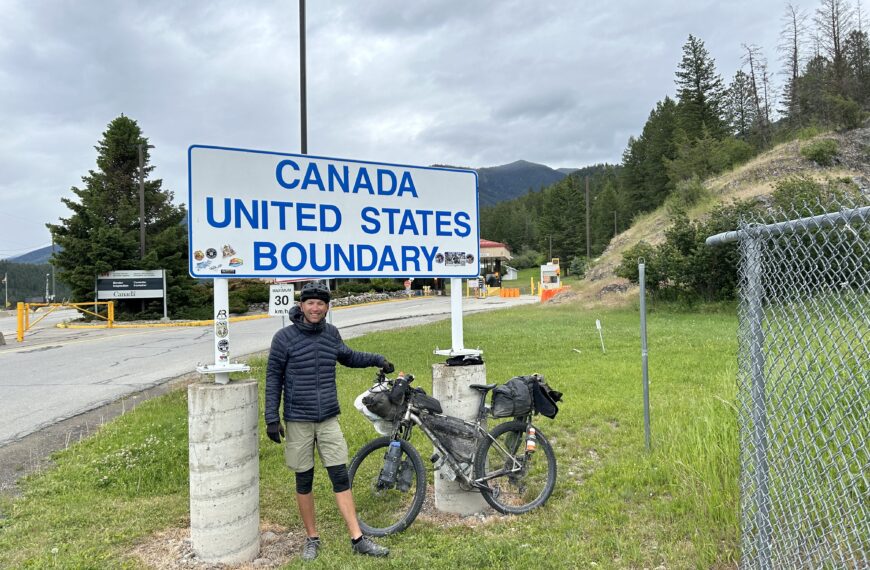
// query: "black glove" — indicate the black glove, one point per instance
point(388, 367)
point(275, 431)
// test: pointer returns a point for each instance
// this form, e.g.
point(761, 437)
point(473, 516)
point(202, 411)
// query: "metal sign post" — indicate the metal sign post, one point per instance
point(222, 366)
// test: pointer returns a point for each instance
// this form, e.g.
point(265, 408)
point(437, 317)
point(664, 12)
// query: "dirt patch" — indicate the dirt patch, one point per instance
point(431, 515)
point(172, 549)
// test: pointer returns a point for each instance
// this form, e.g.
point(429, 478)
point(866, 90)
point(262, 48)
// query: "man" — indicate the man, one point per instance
point(301, 368)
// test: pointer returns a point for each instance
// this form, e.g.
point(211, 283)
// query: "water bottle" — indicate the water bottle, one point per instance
point(531, 441)
point(391, 465)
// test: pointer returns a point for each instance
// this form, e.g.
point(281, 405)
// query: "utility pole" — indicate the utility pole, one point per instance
point(303, 98)
point(141, 202)
point(614, 223)
point(588, 245)
point(6, 284)
point(551, 247)
point(53, 284)
point(47, 275)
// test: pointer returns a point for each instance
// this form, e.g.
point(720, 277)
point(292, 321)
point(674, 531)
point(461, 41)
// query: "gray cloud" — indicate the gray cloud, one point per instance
point(470, 83)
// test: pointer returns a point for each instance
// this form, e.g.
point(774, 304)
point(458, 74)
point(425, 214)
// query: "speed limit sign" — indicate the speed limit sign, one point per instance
point(280, 300)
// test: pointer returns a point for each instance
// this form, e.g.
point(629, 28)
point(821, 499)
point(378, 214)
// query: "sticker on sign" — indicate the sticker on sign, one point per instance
point(280, 300)
point(268, 214)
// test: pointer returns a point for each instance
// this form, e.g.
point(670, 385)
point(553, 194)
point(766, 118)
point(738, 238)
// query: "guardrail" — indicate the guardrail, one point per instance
point(24, 310)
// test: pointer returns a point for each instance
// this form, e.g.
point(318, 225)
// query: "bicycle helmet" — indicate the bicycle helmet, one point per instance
point(314, 290)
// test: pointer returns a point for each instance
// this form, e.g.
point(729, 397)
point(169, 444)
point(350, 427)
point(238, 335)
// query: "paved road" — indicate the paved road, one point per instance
point(59, 373)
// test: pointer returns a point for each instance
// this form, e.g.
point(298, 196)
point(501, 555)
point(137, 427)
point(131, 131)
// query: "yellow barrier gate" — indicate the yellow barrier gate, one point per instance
point(24, 310)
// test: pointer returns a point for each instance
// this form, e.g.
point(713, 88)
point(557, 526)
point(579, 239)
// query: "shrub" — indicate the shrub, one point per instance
point(846, 112)
point(808, 133)
point(237, 302)
point(811, 197)
point(386, 285)
point(686, 194)
point(821, 151)
point(577, 267)
point(526, 258)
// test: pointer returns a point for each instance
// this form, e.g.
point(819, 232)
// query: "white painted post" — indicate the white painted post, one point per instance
point(222, 366)
point(456, 332)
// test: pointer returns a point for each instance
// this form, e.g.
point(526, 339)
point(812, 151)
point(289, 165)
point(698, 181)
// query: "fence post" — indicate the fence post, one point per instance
point(751, 245)
point(641, 272)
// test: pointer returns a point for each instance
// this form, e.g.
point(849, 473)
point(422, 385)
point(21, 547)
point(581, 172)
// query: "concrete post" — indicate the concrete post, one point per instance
point(450, 387)
point(224, 471)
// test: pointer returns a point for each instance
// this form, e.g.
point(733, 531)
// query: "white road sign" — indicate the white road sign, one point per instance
point(280, 300)
point(269, 214)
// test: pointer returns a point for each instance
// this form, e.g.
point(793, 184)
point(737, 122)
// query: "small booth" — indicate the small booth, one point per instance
point(551, 275)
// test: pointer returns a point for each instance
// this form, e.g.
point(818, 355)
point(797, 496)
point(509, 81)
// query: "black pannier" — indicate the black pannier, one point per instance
point(512, 399)
point(545, 398)
point(457, 436)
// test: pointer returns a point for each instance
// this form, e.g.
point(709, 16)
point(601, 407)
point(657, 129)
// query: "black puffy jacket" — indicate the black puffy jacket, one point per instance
point(302, 367)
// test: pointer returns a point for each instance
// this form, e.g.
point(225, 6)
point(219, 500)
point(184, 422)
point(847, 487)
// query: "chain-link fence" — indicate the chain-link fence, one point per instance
point(804, 387)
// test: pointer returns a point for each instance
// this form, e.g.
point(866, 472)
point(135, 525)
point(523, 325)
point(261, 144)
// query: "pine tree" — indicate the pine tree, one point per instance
point(102, 234)
point(700, 92)
point(740, 107)
point(856, 51)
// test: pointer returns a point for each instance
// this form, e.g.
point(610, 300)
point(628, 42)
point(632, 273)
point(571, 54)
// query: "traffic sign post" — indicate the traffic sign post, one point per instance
point(281, 300)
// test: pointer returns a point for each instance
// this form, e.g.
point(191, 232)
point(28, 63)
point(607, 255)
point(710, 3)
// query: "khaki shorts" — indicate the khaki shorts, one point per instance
point(301, 440)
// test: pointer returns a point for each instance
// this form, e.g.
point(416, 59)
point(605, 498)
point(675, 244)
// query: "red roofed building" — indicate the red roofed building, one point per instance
point(492, 253)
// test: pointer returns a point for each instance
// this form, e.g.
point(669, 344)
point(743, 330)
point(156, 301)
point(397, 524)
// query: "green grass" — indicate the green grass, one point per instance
point(615, 505)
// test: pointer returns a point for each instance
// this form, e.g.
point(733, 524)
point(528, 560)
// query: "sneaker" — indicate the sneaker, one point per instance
point(368, 547)
point(309, 550)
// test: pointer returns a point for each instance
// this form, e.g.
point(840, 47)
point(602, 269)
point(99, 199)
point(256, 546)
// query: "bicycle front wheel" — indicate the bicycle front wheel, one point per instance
point(381, 508)
point(517, 481)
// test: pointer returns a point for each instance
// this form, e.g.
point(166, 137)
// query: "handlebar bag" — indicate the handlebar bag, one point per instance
point(512, 399)
point(379, 404)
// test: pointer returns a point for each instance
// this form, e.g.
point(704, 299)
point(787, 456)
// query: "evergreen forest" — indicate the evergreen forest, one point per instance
point(707, 126)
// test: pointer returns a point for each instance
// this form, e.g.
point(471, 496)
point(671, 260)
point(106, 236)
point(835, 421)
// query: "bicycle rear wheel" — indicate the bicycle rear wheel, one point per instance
point(386, 509)
point(518, 481)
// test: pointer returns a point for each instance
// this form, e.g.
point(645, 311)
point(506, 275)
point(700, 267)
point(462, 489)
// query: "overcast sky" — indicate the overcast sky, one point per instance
point(461, 82)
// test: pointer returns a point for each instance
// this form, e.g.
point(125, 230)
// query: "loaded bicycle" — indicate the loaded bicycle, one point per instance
point(512, 464)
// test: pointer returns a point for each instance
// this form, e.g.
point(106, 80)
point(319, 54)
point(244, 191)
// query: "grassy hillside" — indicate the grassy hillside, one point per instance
point(755, 179)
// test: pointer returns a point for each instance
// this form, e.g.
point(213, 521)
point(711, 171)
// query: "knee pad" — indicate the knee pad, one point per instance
point(339, 478)
point(304, 481)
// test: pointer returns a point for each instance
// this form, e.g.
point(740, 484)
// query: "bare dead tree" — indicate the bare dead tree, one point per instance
point(790, 49)
point(833, 19)
point(754, 59)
